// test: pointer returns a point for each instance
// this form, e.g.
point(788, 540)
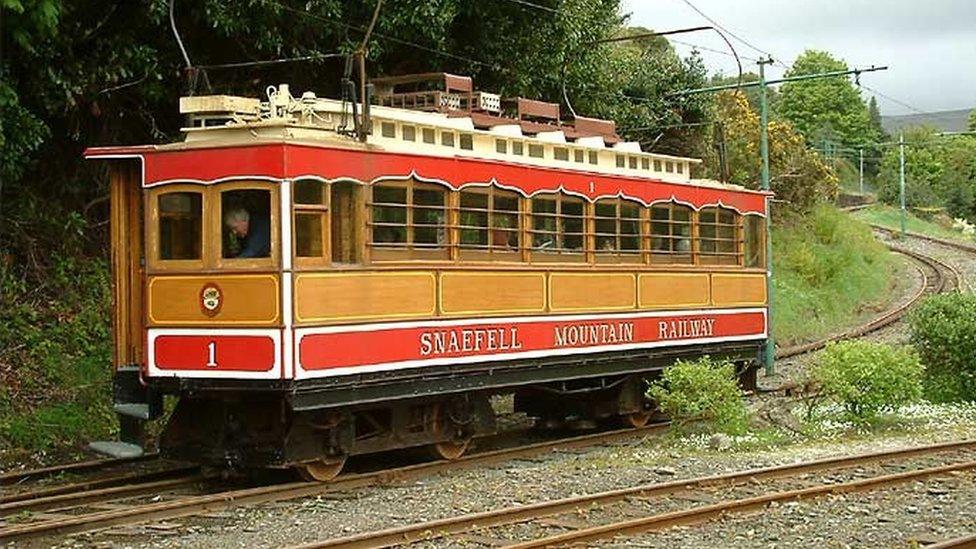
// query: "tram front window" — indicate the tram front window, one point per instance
point(246, 216)
point(180, 224)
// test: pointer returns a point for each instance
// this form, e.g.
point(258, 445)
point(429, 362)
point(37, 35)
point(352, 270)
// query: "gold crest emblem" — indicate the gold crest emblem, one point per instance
point(210, 299)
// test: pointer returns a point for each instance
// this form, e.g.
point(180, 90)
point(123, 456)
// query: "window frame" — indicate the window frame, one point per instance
point(617, 254)
point(489, 252)
point(407, 251)
point(715, 258)
point(325, 211)
point(670, 257)
point(153, 233)
point(559, 254)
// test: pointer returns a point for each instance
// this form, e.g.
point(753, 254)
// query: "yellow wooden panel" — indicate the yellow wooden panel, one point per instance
point(244, 300)
point(350, 296)
point(592, 292)
point(492, 293)
point(669, 290)
point(738, 289)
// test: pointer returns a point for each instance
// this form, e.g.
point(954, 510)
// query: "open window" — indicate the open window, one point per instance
point(617, 231)
point(718, 237)
point(557, 228)
point(408, 221)
point(490, 225)
point(247, 213)
point(671, 234)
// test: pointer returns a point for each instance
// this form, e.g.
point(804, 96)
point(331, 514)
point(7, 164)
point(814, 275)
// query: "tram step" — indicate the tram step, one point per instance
point(116, 449)
point(139, 410)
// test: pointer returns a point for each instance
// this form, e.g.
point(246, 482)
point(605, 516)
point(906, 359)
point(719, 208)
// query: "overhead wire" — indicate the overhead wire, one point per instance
point(534, 5)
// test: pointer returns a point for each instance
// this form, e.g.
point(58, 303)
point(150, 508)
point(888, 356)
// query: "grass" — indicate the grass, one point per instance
point(890, 217)
point(829, 273)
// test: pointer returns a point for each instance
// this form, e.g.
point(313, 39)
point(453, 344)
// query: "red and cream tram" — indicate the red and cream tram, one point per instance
point(309, 295)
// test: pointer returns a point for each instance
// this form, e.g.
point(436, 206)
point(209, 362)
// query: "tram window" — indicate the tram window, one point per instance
point(670, 233)
point(645, 163)
point(621, 160)
point(578, 156)
point(561, 153)
point(489, 221)
point(389, 215)
point(447, 139)
point(388, 129)
point(409, 133)
point(753, 226)
point(246, 215)
point(501, 146)
point(718, 239)
point(657, 165)
point(345, 223)
point(409, 220)
point(517, 148)
point(180, 225)
point(429, 227)
point(428, 135)
point(466, 141)
point(557, 225)
point(617, 224)
point(632, 162)
point(669, 166)
point(311, 208)
point(593, 157)
point(536, 151)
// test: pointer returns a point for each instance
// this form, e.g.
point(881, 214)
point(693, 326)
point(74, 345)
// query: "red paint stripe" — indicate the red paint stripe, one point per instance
point(279, 161)
point(391, 345)
point(232, 353)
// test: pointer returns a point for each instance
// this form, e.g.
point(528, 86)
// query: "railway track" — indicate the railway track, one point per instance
point(55, 519)
point(18, 477)
point(937, 276)
point(544, 515)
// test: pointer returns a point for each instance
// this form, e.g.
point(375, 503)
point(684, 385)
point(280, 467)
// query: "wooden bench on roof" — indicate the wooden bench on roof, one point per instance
point(431, 91)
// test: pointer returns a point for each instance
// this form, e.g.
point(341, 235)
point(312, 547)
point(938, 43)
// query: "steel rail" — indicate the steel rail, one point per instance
point(16, 477)
point(93, 484)
point(704, 513)
point(212, 502)
point(964, 542)
point(75, 499)
point(426, 531)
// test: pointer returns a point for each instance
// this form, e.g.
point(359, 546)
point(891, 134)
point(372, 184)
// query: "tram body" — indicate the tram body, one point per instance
point(452, 255)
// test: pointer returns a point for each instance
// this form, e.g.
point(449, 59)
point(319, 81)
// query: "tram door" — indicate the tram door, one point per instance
point(347, 222)
point(127, 264)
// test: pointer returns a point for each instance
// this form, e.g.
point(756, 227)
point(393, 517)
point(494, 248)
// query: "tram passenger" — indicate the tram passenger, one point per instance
point(253, 233)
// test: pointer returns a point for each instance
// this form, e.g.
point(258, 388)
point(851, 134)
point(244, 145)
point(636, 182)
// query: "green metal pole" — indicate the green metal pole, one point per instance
point(901, 179)
point(769, 355)
point(860, 168)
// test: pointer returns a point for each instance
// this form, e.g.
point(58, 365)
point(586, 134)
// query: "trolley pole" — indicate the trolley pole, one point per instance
point(901, 179)
point(860, 169)
point(769, 353)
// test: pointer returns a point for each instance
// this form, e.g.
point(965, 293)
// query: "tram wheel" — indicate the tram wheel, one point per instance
point(322, 470)
point(636, 419)
point(449, 449)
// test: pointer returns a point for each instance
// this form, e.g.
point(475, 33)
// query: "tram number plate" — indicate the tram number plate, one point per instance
point(221, 353)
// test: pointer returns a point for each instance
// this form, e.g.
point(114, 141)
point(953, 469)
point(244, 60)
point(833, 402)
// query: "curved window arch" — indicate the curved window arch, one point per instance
point(671, 234)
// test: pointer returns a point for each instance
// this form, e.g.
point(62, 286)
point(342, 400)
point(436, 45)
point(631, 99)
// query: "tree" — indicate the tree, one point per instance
point(972, 121)
point(874, 114)
point(825, 108)
point(798, 175)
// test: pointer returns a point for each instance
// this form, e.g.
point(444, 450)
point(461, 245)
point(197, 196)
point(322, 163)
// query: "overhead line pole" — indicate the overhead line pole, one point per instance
point(901, 180)
point(769, 353)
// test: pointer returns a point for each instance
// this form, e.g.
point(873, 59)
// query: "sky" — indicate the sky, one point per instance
point(929, 46)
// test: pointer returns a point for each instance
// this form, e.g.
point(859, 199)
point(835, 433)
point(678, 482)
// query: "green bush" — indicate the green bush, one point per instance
point(943, 331)
point(704, 390)
point(868, 378)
